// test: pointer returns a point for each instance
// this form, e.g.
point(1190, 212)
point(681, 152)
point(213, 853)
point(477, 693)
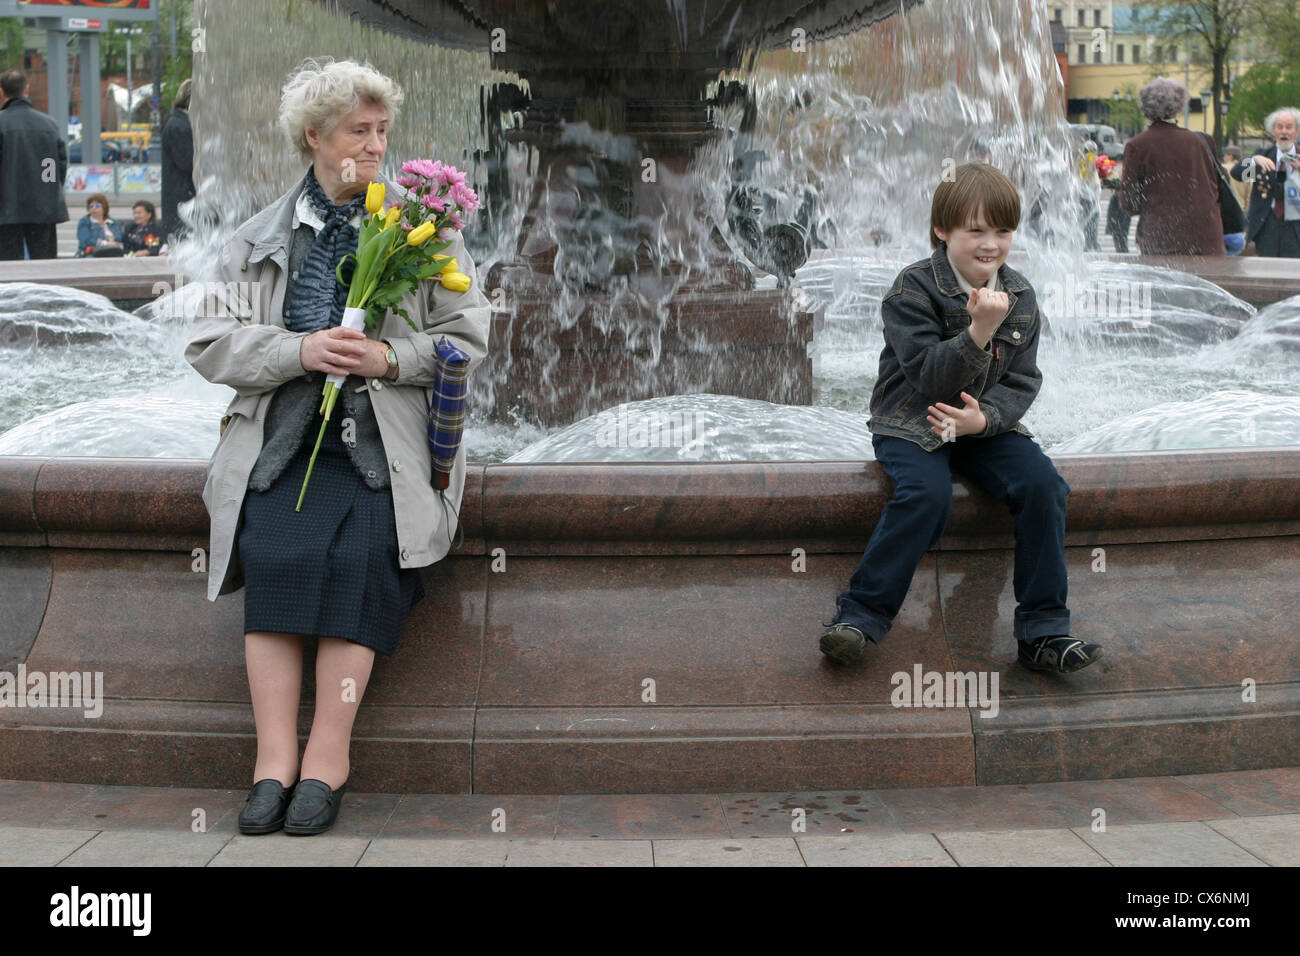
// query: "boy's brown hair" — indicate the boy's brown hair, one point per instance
point(974, 187)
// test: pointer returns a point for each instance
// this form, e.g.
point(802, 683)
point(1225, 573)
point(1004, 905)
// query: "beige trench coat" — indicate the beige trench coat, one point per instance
point(239, 339)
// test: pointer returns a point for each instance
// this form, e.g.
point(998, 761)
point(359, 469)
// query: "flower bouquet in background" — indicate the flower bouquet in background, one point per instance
point(397, 249)
point(1106, 166)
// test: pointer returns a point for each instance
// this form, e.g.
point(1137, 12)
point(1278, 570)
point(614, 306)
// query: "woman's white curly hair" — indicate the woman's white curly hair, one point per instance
point(320, 93)
point(1162, 98)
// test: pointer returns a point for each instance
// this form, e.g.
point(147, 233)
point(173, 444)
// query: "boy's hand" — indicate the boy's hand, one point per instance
point(987, 310)
point(951, 423)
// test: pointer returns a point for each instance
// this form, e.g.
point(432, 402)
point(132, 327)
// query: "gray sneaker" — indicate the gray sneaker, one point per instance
point(844, 643)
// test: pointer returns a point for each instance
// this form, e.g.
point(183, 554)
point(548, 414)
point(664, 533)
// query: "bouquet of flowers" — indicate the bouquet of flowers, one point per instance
point(395, 253)
point(1106, 166)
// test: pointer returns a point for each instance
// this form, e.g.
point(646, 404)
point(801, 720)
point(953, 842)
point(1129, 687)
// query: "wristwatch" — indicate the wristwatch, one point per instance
point(390, 357)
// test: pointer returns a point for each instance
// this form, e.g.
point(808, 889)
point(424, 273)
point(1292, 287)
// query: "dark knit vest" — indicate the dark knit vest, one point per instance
point(296, 405)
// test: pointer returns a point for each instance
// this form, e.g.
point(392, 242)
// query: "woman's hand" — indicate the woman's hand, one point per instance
point(343, 351)
point(952, 423)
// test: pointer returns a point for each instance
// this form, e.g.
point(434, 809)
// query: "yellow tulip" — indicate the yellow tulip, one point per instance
point(374, 198)
point(452, 266)
point(394, 214)
point(456, 282)
point(421, 233)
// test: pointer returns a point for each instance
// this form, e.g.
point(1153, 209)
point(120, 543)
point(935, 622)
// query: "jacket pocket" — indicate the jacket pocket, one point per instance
point(245, 405)
point(1010, 336)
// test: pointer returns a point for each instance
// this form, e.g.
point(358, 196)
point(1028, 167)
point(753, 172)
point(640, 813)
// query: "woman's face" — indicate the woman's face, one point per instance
point(353, 150)
point(95, 208)
point(140, 215)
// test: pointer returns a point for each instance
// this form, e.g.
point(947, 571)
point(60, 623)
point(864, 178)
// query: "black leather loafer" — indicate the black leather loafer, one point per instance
point(313, 809)
point(265, 807)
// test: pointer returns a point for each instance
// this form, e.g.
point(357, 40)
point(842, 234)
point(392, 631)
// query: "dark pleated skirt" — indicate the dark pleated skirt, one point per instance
point(330, 570)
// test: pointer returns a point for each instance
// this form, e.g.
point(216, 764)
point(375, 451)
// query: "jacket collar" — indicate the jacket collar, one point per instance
point(16, 99)
point(946, 279)
point(269, 230)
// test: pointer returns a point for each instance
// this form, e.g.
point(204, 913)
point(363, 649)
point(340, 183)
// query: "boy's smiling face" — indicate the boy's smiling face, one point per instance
point(976, 250)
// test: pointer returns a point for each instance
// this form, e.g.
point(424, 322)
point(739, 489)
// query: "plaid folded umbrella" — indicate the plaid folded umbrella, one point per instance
point(446, 410)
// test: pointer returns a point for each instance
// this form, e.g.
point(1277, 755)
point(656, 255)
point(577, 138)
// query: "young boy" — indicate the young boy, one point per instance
point(957, 373)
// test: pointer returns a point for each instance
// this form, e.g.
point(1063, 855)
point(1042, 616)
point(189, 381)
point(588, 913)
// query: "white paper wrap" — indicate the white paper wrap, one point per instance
point(352, 319)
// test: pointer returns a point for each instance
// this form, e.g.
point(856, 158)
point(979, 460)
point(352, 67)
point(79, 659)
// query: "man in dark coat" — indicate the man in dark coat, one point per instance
point(33, 169)
point(1273, 219)
point(177, 163)
point(1171, 180)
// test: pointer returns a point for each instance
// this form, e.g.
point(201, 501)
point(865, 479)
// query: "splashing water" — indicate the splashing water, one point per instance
point(854, 133)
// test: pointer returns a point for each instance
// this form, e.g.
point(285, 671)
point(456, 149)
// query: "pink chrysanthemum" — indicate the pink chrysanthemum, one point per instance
point(446, 233)
point(410, 182)
point(450, 176)
point(464, 197)
point(421, 167)
point(436, 203)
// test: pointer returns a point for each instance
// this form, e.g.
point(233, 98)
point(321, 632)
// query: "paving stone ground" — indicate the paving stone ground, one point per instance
point(1238, 819)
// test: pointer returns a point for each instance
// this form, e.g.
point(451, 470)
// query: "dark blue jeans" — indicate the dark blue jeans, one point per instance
point(1013, 469)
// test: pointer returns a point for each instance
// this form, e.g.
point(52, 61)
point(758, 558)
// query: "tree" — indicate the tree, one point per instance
point(1219, 25)
point(1259, 91)
point(1279, 22)
point(11, 44)
point(1125, 115)
point(178, 68)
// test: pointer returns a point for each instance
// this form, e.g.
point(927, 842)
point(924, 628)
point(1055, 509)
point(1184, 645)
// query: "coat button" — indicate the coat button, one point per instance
point(1015, 335)
point(406, 555)
point(376, 384)
point(371, 474)
point(397, 465)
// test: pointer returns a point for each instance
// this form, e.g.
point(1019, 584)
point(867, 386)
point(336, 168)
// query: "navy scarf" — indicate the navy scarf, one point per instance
point(317, 298)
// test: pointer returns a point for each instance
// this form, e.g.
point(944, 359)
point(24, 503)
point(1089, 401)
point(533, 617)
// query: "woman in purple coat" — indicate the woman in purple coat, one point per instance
point(1170, 180)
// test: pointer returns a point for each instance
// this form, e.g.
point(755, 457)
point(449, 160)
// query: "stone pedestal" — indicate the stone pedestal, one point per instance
point(643, 628)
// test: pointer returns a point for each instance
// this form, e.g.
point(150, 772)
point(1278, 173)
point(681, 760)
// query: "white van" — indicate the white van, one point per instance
point(1108, 141)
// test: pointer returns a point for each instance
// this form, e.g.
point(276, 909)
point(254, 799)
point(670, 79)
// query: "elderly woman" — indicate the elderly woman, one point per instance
point(344, 569)
point(1273, 219)
point(142, 236)
point(97, 233)
point(1171, 180)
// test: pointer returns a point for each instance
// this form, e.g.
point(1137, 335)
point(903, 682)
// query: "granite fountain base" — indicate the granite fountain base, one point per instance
point(644, 628)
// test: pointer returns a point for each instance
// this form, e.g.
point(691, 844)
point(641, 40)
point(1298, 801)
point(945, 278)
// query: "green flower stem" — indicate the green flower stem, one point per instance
point(328, 408)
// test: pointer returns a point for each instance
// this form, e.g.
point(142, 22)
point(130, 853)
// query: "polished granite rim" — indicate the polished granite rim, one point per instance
point(708, 579)
point(590, 508)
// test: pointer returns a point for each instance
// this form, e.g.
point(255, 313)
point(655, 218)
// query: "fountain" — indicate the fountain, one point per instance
point(650, 625)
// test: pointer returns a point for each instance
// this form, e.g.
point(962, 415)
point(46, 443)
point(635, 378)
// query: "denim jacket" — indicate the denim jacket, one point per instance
point(929, 356)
